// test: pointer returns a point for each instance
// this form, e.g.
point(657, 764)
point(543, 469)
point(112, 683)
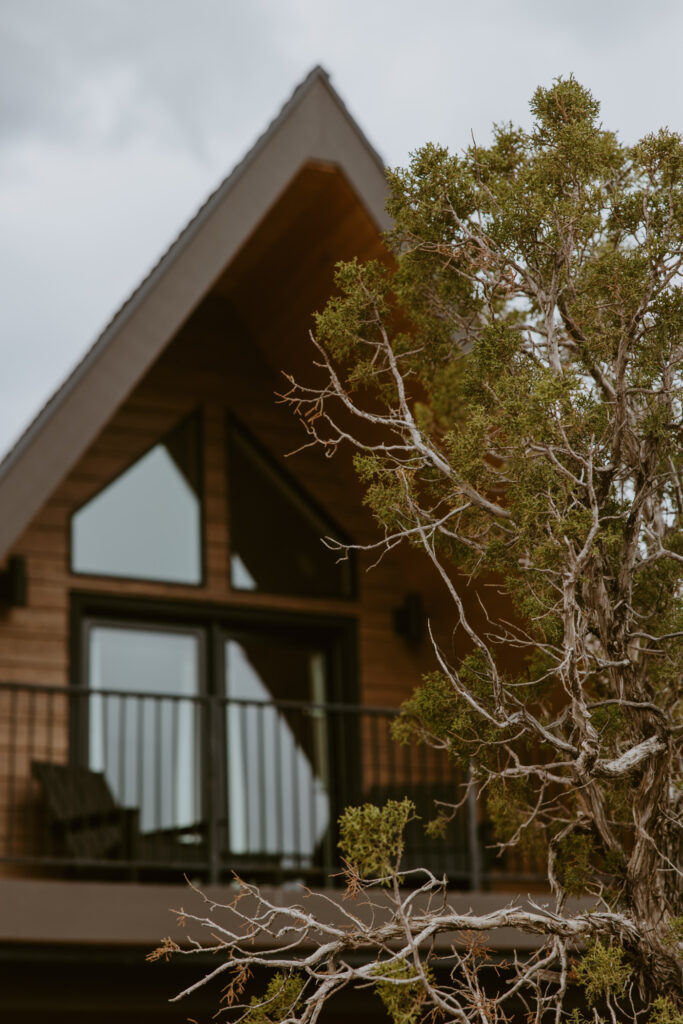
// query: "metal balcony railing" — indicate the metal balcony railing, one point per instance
point(150, 786)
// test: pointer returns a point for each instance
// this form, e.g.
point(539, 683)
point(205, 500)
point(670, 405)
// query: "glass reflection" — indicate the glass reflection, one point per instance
point(146, 524)
point(277, 757)
point(148, 747)
point(276, 530)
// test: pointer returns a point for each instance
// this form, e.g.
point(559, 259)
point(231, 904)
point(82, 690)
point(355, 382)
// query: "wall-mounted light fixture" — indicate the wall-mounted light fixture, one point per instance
point(409, 619)
point(13, 589)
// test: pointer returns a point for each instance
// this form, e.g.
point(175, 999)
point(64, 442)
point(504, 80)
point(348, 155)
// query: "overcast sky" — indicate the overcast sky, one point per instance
point(118, 117)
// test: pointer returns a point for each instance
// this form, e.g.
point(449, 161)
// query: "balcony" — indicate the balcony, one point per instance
point(137, 786)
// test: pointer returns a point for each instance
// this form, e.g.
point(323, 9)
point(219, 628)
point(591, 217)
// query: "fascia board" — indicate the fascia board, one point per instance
point(52, 912)
point(313, 126)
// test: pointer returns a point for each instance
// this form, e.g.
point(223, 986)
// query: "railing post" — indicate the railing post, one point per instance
point(473, 835)
point(12, 753)
point(329, 782)
point(212, 708)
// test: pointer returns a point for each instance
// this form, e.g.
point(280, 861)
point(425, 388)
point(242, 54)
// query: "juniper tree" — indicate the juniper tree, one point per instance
point(512, 388)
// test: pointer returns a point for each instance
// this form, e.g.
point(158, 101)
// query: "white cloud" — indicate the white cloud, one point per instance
point(117, 119)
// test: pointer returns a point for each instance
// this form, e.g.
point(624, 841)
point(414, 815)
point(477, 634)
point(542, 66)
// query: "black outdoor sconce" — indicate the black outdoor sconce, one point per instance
point(13, 588)
point(409, 619)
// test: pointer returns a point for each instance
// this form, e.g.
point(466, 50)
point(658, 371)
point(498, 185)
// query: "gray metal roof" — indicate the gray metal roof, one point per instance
point(314, 124)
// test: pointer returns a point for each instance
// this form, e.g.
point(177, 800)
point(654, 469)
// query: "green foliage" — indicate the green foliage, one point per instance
point(560, 230)
point(434, 705)
point(385, 494)
point(357, 313)
point(602, 972)
point(438, 826)
point(437, 710)
point(371, 838)
point(674, 930)
point(568, 178)
point(277, 1002)
point(518, 378)
point(663, 1011)
point(574, 865)
point(508, 803)
point(403, 999)
point(576, 1017)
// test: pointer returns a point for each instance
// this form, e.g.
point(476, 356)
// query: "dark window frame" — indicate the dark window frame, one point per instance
point(214, 616)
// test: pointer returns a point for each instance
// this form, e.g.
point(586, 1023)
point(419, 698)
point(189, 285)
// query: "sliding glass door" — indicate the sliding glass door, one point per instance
point(220, 735)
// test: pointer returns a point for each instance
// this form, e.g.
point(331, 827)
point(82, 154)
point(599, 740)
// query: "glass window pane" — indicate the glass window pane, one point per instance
point(277, 757)
point(276, 531)
point(146, 524)
point(147, 746)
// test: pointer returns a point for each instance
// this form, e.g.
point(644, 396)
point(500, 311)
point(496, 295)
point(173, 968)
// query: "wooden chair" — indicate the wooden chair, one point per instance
point(86, 821)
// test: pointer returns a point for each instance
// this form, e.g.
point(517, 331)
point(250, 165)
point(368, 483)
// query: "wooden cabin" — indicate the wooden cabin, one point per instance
point(190, 682)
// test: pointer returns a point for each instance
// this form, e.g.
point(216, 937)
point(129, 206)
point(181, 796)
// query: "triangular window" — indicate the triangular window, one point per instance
point(146, 524)
point(276, 530)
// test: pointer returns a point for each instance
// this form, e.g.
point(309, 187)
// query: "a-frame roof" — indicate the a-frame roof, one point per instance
point(314, 125)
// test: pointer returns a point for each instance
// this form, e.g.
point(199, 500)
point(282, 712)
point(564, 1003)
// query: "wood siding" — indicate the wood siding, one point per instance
point(228, 359)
